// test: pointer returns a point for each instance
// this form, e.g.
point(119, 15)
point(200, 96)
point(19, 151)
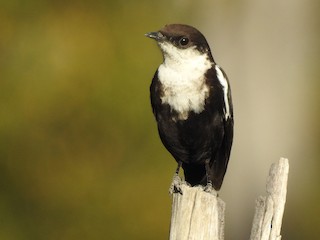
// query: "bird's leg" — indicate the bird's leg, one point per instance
point(175, 185)
point(208, 188)
point(178, 168)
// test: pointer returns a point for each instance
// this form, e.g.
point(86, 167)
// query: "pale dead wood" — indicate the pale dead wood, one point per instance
point(198, 214)
point(269, 210)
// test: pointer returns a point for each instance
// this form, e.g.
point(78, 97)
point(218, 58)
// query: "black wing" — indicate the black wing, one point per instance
point(220, 160)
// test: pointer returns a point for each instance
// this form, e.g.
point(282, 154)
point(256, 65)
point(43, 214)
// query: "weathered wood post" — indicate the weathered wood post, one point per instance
point(199, 215)
point(196, 214)
point(269, 210)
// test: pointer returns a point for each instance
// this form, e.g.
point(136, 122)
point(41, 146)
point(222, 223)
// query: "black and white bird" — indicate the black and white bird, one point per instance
point(191, 101)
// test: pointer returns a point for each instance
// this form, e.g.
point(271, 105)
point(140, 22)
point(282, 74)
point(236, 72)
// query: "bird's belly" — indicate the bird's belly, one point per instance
point(190, 140)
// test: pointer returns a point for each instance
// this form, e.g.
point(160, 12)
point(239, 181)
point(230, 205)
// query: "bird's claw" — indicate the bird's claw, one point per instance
point(175, 185)
point(209, 187)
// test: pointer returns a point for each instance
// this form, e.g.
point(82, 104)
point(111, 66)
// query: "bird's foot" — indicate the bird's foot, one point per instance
point(209, 187)
point(175, 185)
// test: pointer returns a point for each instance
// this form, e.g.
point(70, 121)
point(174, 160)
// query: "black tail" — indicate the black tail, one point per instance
point(195, 174)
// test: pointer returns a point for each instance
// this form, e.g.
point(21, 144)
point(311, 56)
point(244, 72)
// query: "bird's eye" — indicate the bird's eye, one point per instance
point(184, 41)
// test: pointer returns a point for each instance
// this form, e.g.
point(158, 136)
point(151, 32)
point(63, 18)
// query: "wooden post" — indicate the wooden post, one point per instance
point(269, 210)
point(196, 214)
point(199, 215)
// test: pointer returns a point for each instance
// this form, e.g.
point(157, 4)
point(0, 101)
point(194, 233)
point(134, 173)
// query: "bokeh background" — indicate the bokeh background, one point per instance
point(80, 157)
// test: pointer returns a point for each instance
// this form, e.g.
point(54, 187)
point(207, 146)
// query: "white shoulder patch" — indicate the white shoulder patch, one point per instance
point(182, 77)
point(223, 81)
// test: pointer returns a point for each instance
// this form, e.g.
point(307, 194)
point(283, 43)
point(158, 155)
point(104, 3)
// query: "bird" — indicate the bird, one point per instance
point(191, 101)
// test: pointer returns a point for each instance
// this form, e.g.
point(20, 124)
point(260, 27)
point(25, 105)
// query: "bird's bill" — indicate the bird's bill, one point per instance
point(158, 36)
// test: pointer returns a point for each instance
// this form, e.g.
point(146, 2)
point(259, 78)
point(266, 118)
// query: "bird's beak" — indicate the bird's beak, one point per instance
point(158, 36)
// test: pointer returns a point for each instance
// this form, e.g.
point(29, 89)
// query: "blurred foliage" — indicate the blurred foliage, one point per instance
point(77, 136)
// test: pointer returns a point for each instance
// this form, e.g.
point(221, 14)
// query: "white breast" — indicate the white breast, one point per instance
point(182, 77)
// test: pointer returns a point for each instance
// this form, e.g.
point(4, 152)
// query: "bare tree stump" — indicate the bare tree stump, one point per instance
point(199, 215)
point(196, 214)
point(269, 210)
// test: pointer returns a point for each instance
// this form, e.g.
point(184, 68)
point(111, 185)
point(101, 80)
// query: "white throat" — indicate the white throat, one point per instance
point(182, 77)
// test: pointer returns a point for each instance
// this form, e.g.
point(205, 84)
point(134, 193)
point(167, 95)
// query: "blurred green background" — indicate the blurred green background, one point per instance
point(80, 157)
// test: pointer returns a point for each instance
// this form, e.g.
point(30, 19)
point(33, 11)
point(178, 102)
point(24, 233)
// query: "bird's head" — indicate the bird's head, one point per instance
point(179, 42)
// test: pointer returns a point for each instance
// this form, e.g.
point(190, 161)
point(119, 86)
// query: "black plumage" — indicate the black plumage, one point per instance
point(200, 140)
